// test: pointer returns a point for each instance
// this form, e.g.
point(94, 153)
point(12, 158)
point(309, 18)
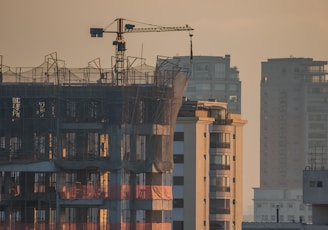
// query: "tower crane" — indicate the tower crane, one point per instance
point(120, 43)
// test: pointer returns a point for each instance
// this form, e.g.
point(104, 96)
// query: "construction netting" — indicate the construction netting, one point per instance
point(68, 114)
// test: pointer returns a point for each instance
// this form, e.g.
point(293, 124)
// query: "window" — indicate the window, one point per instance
point(233, 98)
point(177, 225)
point(104, 142)
point(233, 87)
point(71, 109)
point(40, 145)
point(15, 144)
point(93, 143)
point(219, 87)
point(203, 87)
point(179, 136)
point(178, 158)
point(167, 179)
point(2, 142)
point(69, 145)
point(220, 140)
point(141, 147)
point(191, 88)
point(2, 216)
point(39, 182)
point(312, 184)
point(273, 218)
point(16, 216)
point(178, 180)
point(41, 109)
point(220, 225)
point(177, 203)
point(16, 107)
point(93, 110)
point(202, 70)
point(167, 216)
point(220, 70)
point(52, 182)
point(220, 162)
point(14, 183)
point(291, 218)
point(126, 215)
point(317, 184)
point(40, 215)
point(201, 67)
point(220, 206)
point(219, 184)
point(92, 215)
point(103, 218)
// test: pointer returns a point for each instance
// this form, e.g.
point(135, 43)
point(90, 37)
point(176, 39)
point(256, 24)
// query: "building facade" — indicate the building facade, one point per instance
point(212, 77)
point(294, 113)
point(315, 191)
point(79, 151)
point(207, 176)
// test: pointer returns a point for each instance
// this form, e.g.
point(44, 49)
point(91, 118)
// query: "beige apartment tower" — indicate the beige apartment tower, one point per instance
point(207, 176)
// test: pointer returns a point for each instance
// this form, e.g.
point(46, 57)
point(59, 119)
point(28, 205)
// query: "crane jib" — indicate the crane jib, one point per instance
point(120, 43)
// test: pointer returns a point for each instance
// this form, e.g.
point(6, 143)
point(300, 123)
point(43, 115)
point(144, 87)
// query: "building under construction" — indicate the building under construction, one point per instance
point(81, 150)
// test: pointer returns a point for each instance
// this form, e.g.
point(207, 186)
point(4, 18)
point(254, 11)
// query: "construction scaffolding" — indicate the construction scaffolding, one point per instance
point(78, 151)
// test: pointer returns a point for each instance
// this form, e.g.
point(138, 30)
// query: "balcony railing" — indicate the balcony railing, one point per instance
point(219, 167)
point(223, 121)
point(89, 226)
point(95, 191)
point(219, 210)
point(220, 145)
point(219, 189)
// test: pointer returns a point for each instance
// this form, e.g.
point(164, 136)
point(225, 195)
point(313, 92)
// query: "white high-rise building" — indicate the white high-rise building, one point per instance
point(294, 135)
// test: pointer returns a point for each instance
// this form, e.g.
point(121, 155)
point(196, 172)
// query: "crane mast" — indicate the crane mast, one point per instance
point(120, 44)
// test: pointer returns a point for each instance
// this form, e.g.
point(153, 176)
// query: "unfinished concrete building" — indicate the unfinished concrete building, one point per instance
point(80, 150)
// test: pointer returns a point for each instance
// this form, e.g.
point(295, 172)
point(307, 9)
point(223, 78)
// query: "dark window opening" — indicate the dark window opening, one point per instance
point(178, 180)
point(179, 136)
point(178, 158)
point(177, 203)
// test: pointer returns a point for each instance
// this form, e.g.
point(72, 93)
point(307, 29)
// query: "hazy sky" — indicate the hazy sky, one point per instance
point(251, 31)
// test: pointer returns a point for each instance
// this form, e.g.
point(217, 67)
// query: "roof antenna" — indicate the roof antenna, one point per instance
point(191, 53)
point(141, 58)
point(191, 57)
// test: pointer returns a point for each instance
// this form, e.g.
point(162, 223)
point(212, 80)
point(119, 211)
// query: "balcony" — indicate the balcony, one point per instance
point(223, 122)
point(219, 167)
point(220, 145)
point(219, 189)
point(221, 211)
